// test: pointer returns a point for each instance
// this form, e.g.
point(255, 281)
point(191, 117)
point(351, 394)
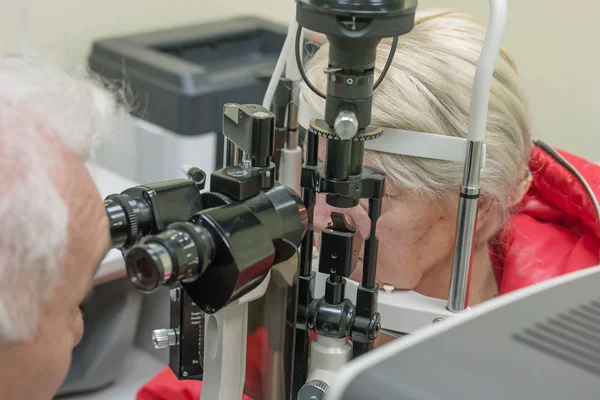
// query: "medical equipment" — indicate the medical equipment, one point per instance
point(540, 342)
point(221, 251)
point(353, 31)
point(218, 246)
point(407, 311)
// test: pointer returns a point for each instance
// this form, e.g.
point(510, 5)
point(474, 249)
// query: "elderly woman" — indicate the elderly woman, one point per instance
point(537, 220)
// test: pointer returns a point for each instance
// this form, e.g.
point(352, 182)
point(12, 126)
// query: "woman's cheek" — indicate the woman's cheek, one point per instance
point(394, 263)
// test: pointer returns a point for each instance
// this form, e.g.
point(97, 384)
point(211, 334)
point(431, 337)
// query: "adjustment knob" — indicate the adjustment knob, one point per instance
point(164, 338)
point(346, 125)
point(313, 390)
point(123, 222)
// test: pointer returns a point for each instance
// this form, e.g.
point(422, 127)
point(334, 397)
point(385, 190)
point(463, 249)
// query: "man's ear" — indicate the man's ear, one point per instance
point(522, 189)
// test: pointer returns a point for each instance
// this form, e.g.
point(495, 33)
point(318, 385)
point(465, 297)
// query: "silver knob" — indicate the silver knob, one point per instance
point(163, 338)
point(313, 390)
point(346, 125)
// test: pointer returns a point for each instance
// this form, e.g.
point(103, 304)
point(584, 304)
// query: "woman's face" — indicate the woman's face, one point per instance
point(416, 236)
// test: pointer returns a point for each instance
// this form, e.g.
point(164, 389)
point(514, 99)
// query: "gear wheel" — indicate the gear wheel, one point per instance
point(319, 127)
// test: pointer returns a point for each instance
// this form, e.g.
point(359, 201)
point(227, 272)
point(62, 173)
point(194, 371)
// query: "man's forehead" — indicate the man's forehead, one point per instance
point(88, 224)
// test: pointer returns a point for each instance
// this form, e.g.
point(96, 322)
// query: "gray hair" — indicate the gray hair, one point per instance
point(428, 89)
point(39, 100)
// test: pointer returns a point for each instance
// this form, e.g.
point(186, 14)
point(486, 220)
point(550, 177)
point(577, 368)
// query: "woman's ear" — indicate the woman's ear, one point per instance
point(522, 189)
point(485, 215)
point(486, 208)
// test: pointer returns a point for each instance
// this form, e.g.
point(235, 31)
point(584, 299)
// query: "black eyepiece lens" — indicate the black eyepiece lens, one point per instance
point(148, 266)
point(145, 269)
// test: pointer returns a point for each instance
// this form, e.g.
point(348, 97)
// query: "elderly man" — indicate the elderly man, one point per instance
point(53, 228)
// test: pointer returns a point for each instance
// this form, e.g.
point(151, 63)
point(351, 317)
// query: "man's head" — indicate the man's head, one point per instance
point(54, 230)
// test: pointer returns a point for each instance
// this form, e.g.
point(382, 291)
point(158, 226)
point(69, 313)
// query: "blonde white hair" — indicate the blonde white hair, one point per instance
point(428, 89)
point(39, 100)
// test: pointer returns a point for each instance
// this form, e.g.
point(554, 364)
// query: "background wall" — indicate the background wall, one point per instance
point(556, 44)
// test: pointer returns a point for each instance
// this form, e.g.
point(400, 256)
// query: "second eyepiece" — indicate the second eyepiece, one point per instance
point(181, 253)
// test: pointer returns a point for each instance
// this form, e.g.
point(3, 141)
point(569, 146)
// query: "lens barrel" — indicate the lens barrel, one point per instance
point(148, 266)
point(117, 221)
point(183, 252)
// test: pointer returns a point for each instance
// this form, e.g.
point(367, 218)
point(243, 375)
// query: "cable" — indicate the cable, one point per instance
point(388, 63)
point(562, 161)
point(291, 66)
point(480, 96)
point(281, 61)
point(301, 68)
point(384, 71)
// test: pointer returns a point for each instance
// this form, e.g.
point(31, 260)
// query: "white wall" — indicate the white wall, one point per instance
point(556, 44)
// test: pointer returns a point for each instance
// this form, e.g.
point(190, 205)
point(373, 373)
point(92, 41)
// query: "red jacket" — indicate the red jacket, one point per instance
point(555, 231)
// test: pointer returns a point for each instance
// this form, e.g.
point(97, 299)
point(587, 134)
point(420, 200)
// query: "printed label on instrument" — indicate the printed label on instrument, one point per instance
point(196, 318)
point(192, 337)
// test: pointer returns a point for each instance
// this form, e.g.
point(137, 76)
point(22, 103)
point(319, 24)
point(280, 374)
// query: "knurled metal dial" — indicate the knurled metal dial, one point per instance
point(133, 223)
point(313, 390)
point(319, 127)
point(164, 338)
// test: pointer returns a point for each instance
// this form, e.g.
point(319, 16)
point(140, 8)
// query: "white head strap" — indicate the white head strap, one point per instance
point(398, 141)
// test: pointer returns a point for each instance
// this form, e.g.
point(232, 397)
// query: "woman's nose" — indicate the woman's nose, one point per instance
point(323, 211)
point(322, 215)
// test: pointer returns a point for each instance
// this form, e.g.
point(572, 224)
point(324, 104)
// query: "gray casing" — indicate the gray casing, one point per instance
point(543, 345)
point(181, 78)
